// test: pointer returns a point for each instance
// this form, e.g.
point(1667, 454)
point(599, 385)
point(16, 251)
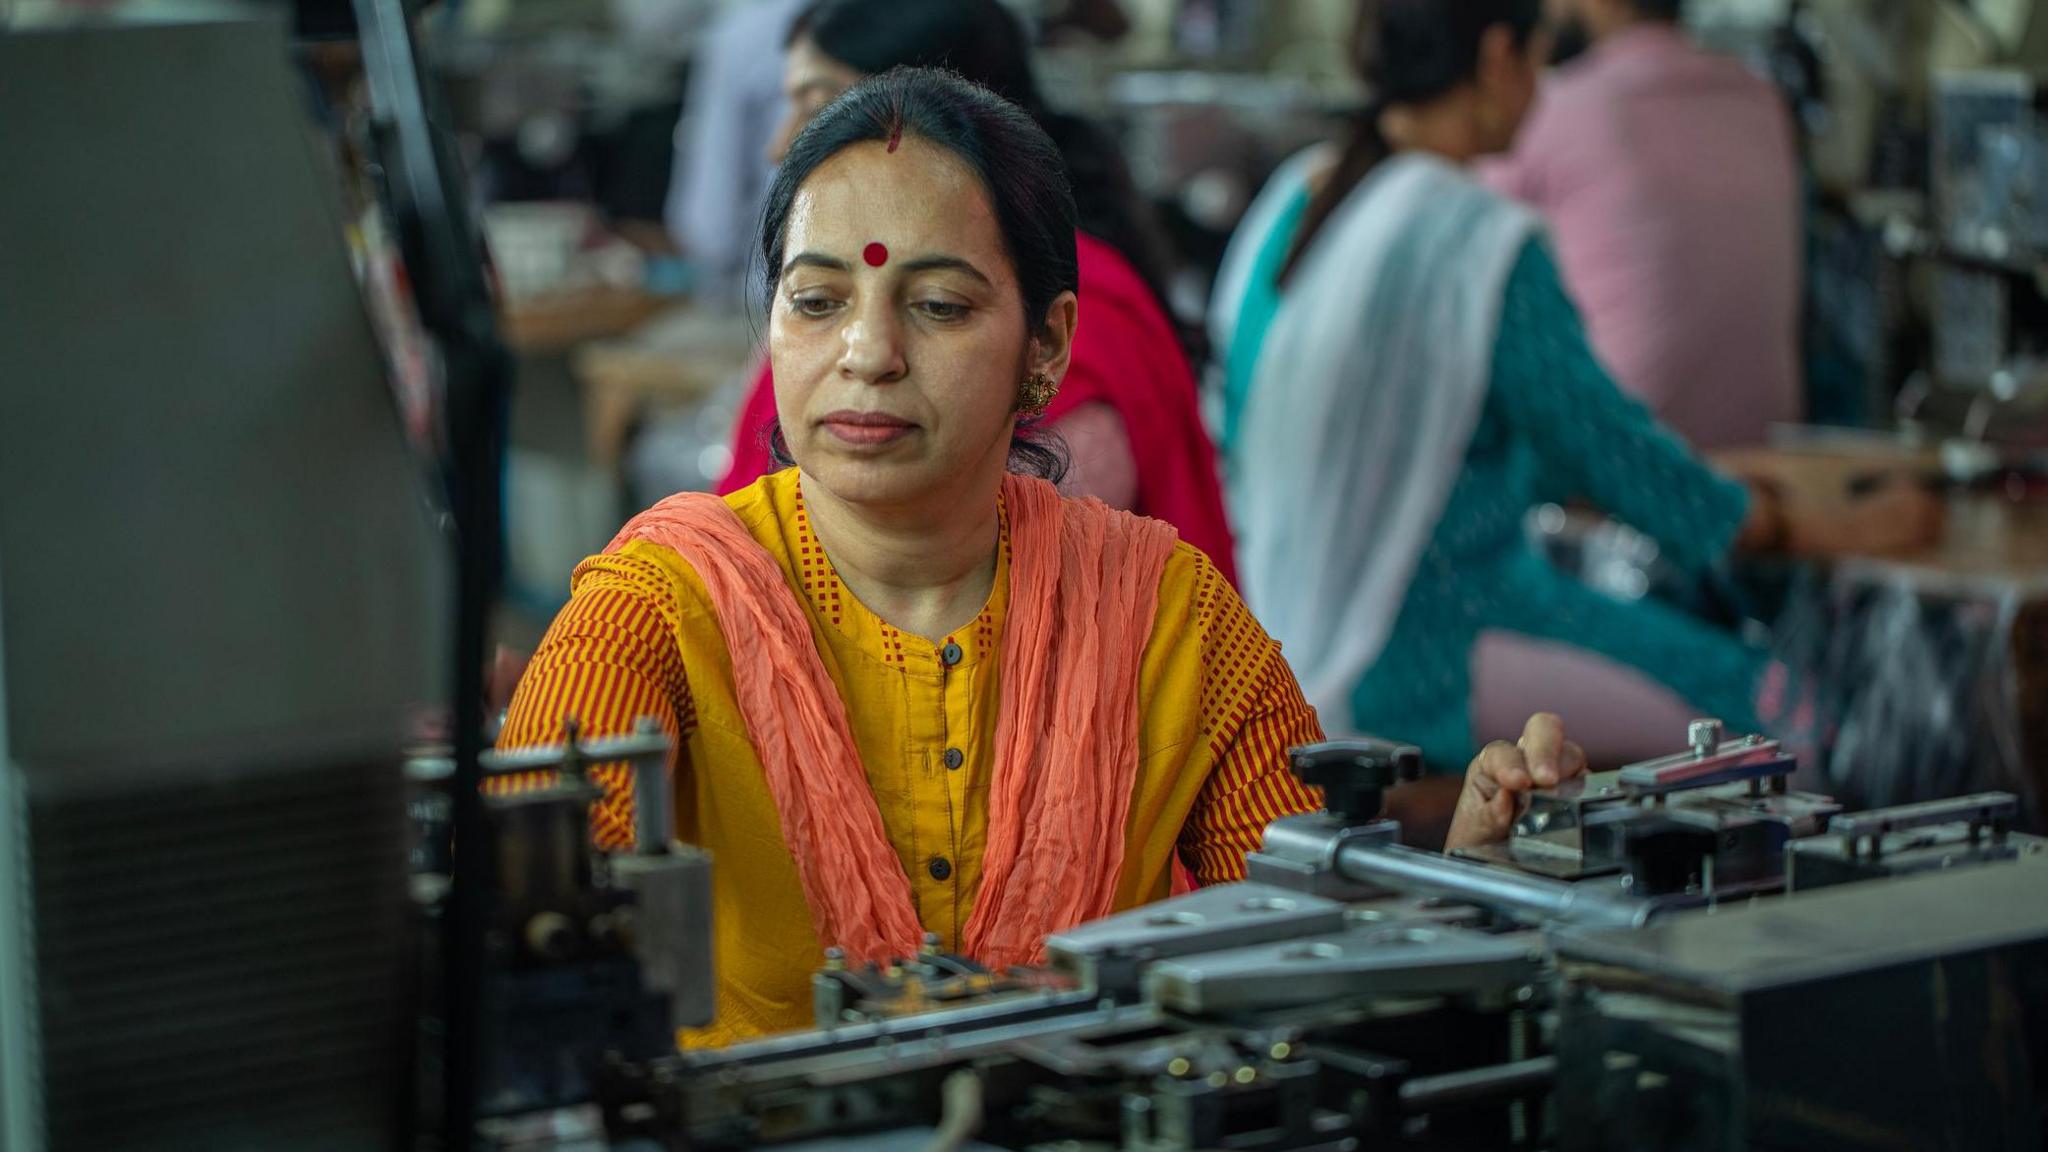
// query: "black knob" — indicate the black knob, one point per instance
point(1354, 775)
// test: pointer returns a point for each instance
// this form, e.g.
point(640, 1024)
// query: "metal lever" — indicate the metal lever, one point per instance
point(552, 757)
point(1710, 761)
point(646, 750)
point(1993, 810)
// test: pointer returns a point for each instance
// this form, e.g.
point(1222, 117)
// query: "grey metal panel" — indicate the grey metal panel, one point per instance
point(1832, 933)
point(1397, 959)
point(1894, 1014)
point(1221, 916)
point(212, 538)
point(221, 965)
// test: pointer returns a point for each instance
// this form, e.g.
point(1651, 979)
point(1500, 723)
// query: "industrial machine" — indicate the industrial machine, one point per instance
point(219, 572)
point(1684, 954)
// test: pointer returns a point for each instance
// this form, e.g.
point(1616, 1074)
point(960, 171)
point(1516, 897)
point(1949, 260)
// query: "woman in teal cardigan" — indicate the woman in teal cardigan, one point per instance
point(1406, 377)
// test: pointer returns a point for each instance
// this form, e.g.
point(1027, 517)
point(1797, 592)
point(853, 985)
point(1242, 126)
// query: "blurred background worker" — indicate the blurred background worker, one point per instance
point(1666, 177)
point(1408, 373)
point(721, 170)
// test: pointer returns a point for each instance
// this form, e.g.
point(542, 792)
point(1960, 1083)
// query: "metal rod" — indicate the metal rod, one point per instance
point(651, 810)
point(1533, 899)
point(1428, 1093)
point(602, 751)
point(1983, 807)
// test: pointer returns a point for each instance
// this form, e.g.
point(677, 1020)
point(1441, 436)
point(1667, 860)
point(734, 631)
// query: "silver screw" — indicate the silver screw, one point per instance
point(1704, 736)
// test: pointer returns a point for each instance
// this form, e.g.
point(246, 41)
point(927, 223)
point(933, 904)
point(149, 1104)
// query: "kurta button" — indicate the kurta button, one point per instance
point(950, 653)
point(955, 758)
point(939, 868)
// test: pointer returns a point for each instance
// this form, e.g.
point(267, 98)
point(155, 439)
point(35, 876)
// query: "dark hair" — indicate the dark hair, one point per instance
point(978, 39)
point(1668, 11)
point(1018, 167)
point(1407, 52)
point(985, 43)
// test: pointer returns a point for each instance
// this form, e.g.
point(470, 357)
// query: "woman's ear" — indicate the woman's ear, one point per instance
point(1052, 348)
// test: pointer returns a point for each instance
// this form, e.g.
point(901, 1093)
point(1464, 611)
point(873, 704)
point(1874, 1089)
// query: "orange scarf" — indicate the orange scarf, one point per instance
point(1084, 584)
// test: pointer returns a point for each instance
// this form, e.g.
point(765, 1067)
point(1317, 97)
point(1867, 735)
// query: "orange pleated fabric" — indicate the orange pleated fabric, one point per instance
point(1084, 585)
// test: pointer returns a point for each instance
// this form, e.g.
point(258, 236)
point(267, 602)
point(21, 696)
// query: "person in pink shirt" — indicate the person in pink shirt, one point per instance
point(1667, 178)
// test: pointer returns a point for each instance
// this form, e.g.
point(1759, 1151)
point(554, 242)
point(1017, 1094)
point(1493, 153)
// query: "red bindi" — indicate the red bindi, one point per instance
point(876, 255)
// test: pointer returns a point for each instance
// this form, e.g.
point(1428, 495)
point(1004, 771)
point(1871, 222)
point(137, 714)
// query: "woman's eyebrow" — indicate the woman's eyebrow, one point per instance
point(945, 264)
point(816, 260)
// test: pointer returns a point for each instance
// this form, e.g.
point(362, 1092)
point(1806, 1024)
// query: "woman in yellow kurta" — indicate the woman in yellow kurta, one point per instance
point(914, 690)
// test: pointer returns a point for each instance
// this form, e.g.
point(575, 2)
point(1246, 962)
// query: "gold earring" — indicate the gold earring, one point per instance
point(1036, 394)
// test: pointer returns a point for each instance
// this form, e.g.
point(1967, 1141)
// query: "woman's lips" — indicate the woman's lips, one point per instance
point(867, 429)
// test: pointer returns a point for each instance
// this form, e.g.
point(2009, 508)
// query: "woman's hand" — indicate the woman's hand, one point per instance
point(1503, 773)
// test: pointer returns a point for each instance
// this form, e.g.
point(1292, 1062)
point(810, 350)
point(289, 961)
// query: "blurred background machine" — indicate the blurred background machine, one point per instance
point(225, 565)
point(220, 614)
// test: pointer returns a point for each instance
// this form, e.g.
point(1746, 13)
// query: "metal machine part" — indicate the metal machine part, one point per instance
point(1161, 1028)
point(1429, 1053)
point(1701, 825)
point(1355, 775)
point(1370, 960)
point(1423, 1014)
point(1514, 895)
point(1985, 811)
point(590, 958)
point(670, 930)
point(1299, 853)
point(1709, 760)
point(1912, 838)
point(929, 982)
point(1110, 954)
point(876, 1074)
point(1619, 848)
point(646, 750)
point(1819, 1021)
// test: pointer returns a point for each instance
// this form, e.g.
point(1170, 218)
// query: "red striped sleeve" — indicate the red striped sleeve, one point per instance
point(1250, 785)
point(609, 659)
point(1253, 712)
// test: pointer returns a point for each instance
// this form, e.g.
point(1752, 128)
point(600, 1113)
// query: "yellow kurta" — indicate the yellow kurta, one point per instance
point(1218, 710)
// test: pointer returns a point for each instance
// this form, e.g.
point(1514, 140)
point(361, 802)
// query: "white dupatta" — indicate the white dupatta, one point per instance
point(1363, 402)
